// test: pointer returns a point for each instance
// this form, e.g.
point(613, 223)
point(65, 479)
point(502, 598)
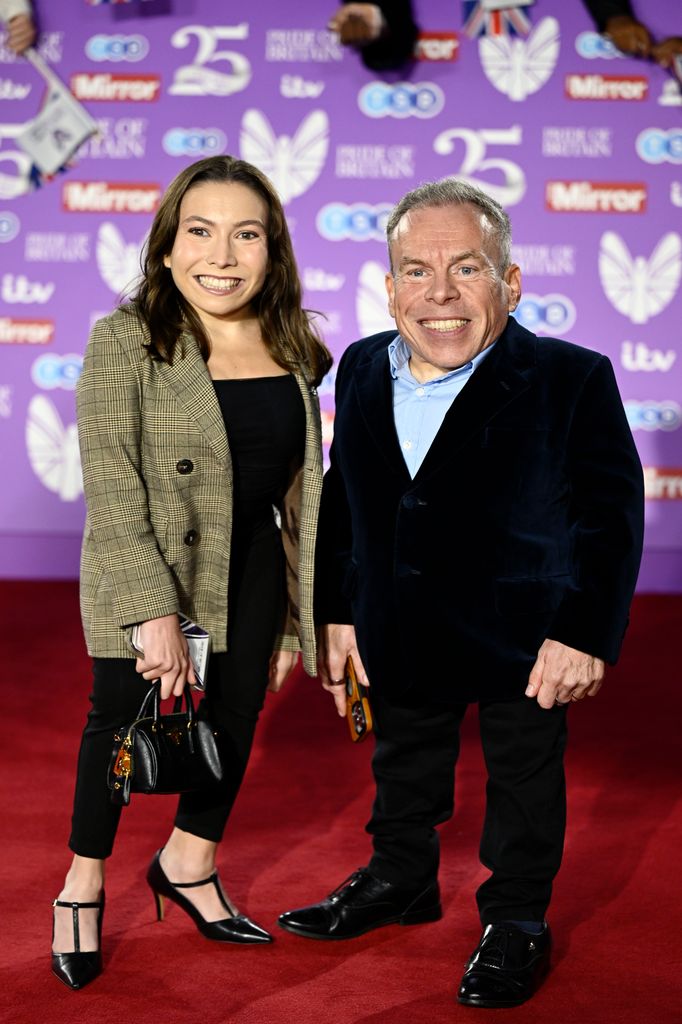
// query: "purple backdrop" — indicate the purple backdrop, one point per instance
point(581, 144)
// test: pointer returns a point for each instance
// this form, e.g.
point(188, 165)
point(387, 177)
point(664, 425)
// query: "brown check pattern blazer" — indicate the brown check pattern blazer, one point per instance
point(157, 533)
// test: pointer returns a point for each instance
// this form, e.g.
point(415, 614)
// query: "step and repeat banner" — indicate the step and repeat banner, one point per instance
point(582, 145)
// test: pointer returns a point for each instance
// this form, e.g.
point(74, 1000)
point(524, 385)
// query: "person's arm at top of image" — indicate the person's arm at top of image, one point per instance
point(18, 18)
point(384, 33)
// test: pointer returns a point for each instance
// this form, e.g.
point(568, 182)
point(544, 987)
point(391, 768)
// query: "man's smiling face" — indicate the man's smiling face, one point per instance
point(447, 294)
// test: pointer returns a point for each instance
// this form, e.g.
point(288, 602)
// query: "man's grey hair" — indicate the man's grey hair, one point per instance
point(454, 192)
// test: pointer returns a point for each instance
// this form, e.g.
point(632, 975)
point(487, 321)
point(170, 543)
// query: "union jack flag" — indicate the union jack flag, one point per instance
point(488, 17)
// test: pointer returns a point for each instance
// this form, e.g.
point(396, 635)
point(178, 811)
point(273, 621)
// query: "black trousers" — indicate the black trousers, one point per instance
point(525, 819)
point(235, 691)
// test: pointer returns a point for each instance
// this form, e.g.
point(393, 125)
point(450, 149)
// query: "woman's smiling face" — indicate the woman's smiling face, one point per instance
point(219, 258)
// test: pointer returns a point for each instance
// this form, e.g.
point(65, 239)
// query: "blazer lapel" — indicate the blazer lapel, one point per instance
point(501, 378)
point(374, 390)
point(191, 383)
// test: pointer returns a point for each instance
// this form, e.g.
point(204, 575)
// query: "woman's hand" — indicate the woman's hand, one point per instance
point(282, 664)
point(166, 655)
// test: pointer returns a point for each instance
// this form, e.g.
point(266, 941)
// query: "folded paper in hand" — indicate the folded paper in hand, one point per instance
point(198, 642)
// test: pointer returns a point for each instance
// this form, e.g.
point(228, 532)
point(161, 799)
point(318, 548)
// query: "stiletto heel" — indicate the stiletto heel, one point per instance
point(78, 969)
point(160, 908)
point(235, 928)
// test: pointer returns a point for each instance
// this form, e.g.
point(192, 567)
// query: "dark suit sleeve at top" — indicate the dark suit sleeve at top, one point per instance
point(396, 46)
point(607, 502)
point(602, 10)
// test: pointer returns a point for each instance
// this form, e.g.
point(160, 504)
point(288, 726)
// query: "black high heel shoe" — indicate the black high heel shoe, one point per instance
point(78, 969)
point(235, 928)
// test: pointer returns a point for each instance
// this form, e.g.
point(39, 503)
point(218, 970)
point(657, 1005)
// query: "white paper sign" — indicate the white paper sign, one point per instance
point(61, 127)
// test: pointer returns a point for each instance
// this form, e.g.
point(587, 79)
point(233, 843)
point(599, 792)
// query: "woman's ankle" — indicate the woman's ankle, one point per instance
point(187, 858)
point(84, 880)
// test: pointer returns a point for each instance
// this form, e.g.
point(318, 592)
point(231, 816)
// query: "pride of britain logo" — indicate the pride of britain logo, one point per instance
point(402, 99)
point(52, 448)
point(519, 67)
point(292, 163)
point(638, 287)
point(545, 314)
point(358, 222)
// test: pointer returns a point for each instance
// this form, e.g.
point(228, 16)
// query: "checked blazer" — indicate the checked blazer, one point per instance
point(157, 476)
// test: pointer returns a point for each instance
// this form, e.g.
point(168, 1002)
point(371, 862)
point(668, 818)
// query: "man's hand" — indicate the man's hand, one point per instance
point(21, 32)
point(664, 53)
point(357, 24)
point(166, 655)
point(282, 664)
point(629, 36)
point(335, 643)
point(562, 674)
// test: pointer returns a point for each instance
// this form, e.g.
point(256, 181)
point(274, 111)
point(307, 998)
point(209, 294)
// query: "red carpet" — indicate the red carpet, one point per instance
point(297, 831)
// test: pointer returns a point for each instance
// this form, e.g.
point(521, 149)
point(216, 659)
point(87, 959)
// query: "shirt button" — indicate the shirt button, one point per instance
point(407, 445)
point(420, 392)
point(184, 466)
point(191, 537)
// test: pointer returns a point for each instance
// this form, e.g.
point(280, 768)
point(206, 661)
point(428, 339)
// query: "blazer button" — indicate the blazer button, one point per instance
point(191, 537)
point(412, 501)
point(184, 466)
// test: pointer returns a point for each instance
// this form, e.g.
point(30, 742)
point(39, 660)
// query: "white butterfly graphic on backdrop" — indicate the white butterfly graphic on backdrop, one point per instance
point(118, 261)
point(519, 67)
point(292, 164)
point(53, 449)
point(637, 287)
point(371, 301)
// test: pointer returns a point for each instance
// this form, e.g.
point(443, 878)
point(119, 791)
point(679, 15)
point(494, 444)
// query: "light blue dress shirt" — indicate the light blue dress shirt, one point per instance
point(419, 409)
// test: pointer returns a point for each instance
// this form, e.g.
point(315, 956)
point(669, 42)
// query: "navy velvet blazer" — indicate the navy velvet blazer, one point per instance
point(524, 521)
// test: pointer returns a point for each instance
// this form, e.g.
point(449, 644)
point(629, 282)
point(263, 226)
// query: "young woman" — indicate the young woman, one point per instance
point(200, 437)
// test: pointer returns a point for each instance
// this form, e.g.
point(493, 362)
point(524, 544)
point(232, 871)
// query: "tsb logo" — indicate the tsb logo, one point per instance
point(657, 146)
point(10, 226)
point(357, 223)
point(116, 48)
point(194, 141)
point(653, 415)
point(591, 45)
point(53, 371)
point(404, 99)
point(546, 314)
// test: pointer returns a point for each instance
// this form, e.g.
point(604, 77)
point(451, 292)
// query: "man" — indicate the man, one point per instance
point(480, 536)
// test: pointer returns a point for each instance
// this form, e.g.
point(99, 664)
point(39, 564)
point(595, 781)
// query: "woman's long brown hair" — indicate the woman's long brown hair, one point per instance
point(285, 325)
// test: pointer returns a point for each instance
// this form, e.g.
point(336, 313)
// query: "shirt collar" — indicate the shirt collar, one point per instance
point(399, 356)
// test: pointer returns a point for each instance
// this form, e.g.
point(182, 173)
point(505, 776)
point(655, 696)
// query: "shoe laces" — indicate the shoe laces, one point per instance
point(494, 947)
point(342, 889)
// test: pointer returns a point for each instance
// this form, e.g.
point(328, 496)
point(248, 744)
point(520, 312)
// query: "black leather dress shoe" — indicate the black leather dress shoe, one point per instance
point(361, 903)
point(506, 967)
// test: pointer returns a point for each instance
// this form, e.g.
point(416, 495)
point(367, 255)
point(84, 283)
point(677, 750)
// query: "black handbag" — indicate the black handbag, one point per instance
point(158, 753)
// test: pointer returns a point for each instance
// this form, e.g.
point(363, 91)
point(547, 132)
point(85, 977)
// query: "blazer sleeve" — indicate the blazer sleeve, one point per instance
point(607, 503)
point(395, 47)
point(109, 402)
point(602, 10)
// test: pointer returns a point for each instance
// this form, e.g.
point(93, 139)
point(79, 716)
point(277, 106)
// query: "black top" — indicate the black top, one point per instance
point(265, 424)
